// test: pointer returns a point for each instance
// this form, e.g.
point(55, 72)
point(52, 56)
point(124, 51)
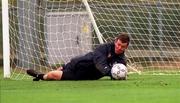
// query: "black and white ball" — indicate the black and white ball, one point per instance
point(119, 71)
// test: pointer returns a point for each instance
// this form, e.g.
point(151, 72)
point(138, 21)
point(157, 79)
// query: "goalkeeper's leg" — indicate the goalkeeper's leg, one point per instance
point(52, 75)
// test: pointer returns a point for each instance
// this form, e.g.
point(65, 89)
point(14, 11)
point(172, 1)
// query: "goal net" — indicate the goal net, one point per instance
point(44, 34)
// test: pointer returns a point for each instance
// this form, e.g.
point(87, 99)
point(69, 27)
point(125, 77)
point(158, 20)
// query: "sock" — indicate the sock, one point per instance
point(40, 76)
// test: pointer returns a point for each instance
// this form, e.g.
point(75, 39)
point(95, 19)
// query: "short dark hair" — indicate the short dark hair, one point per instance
point(124, 37)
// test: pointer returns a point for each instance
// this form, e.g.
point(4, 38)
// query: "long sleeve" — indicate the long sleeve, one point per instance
point(100, 59)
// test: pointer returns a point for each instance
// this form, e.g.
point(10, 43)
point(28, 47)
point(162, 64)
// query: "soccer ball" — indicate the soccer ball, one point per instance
point(119, 71)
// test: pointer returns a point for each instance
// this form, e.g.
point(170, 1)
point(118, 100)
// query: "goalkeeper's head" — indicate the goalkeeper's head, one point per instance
point(121, 42)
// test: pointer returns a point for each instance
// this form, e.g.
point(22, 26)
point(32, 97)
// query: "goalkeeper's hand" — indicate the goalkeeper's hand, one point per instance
point(109, 74)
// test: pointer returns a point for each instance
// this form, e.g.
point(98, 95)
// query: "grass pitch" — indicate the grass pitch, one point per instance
point(137, 89)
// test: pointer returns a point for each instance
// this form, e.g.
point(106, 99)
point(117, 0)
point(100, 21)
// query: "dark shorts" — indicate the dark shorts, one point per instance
point(81, 71)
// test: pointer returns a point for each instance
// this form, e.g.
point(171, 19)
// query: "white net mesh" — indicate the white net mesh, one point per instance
point(47, 33)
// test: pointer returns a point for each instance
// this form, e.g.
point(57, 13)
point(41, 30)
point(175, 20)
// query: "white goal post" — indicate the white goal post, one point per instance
point(6, 44)
point(44, 34)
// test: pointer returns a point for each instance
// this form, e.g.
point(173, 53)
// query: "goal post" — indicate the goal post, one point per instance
point(44, 34)
point(99, 35)
point(6, 44)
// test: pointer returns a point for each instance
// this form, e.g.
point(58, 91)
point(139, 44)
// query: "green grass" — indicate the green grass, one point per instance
point(137, 89)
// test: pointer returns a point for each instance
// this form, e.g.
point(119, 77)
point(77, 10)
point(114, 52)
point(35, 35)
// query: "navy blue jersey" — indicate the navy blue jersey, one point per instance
point(104, 57)
point(100, 60)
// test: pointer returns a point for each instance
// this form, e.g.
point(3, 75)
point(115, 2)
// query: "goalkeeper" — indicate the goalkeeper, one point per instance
point(91, 66)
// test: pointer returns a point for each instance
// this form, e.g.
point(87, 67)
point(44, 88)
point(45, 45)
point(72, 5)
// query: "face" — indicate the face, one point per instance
point(120, 47)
